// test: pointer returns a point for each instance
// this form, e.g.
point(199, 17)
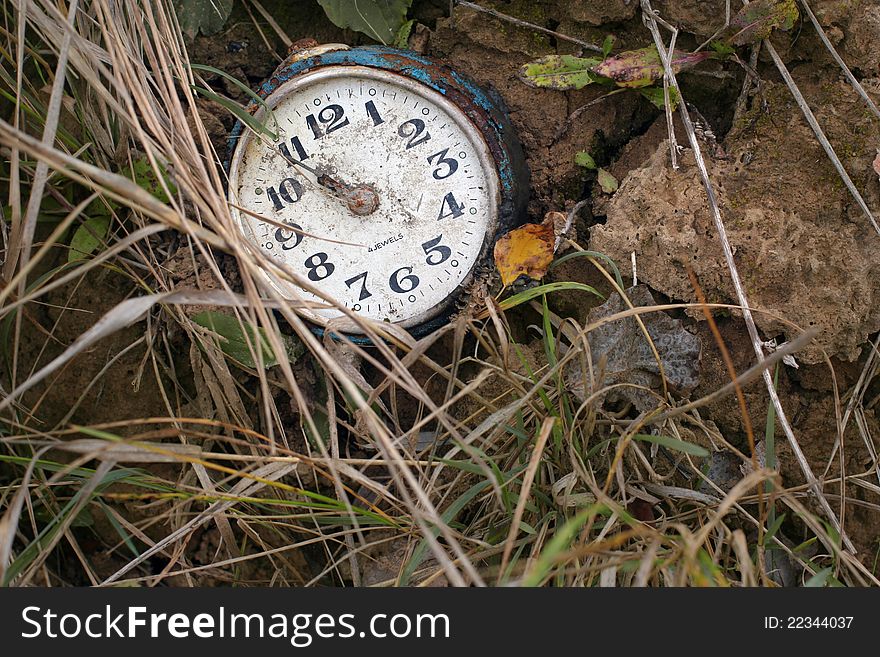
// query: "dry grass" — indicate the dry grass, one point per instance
point(464, 456)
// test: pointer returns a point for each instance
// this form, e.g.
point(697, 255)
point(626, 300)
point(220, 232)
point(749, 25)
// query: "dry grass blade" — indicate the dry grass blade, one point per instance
point(525, 491)
point(19, 249)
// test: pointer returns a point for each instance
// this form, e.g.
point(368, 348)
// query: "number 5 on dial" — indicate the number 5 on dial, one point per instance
point(436, 252)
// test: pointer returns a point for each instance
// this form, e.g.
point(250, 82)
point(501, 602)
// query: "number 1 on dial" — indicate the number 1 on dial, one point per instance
point(373, 113)
point(297, 146)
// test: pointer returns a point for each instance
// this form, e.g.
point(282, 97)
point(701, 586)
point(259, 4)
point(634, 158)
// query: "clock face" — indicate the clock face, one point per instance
point(392, 206)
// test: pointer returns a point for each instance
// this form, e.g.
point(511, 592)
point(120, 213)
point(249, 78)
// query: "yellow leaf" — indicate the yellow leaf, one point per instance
point(526, 250)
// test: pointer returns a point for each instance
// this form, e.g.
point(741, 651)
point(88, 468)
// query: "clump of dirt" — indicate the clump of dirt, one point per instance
point(864, 35)
point(805, 251)
point(700, 17)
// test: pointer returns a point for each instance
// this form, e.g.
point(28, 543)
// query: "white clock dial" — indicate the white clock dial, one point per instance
point(401, 195)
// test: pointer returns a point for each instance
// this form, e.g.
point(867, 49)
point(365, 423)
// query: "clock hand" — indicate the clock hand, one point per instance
point(360, 199)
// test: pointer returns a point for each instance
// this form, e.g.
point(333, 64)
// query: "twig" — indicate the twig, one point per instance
point(750, 78)
point(740, 291)
point(272, 22)
point(566, 125)
point(531, 26)
point(650, 20)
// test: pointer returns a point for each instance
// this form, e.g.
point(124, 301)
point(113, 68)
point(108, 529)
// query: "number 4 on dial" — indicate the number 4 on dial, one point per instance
point(456, 209)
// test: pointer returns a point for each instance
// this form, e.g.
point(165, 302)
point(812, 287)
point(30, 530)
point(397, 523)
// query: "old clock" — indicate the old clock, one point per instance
point(387, 182)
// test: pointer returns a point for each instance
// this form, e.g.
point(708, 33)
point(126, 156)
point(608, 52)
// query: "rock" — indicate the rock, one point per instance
point(805, 252)
point(620, 351)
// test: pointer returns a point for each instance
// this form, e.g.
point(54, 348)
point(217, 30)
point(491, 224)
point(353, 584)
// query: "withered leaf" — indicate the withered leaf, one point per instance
point(643, 67)
point(561, 72)
point(619, 350)
point(527, 250)
point(758, 19)
point(877, 163)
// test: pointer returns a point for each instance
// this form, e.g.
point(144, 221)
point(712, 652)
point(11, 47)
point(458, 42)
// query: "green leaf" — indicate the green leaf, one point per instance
point(673, 444)
point(235, 338)
point(591, 254)
point(608, 44)
point(205, 16)
point(88, 237)
point(402, 38)
point(607, 182)
point(584, 159)
point(533, 292)
point(142, 172)
point(378, 19)
point(239, 112)
point(561, 72)
point(773, 528)
point(241, 86)
point(721, 49)
point(819, 579)
point(421, 550)
point(657, 97)
point(526, 528)
point(560, 542)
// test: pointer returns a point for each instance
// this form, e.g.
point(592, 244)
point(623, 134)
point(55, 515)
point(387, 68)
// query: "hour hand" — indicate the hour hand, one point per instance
point(360, 199)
